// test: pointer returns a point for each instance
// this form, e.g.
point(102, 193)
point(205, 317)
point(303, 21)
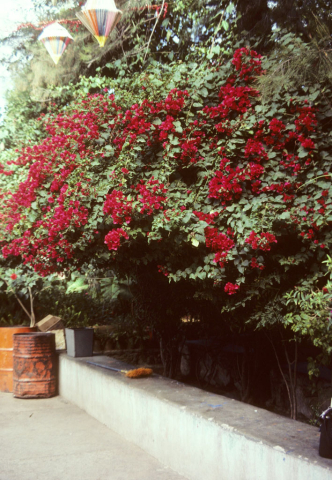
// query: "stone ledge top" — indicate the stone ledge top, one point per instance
point(283, 434)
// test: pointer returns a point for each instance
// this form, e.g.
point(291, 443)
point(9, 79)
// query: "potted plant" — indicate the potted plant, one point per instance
point(11, 280)
point(79, 341)
point(18, 283)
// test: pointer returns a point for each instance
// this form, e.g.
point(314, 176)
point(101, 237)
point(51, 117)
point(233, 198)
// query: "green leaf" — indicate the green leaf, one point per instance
point(204, 92)
point(230, 7)
point(225, 25)
point(187, 217)
point(201, 275)
point(78, 286)
point(285, 216)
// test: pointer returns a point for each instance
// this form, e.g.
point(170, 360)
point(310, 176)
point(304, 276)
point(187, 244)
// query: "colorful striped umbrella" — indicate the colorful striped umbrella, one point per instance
point(100, 17)
point(55, 38)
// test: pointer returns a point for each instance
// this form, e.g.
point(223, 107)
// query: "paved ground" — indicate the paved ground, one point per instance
point(50, 439)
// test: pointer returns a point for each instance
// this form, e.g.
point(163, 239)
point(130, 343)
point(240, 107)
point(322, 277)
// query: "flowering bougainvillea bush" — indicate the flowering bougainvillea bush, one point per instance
point(183, 172)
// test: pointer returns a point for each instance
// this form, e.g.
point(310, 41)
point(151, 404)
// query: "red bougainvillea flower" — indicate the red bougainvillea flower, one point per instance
point(231, 288)
point(163, 270)
point(261, 241)
point(118, 207)
point(220, 243)
point(254, 264)
point(113, 238)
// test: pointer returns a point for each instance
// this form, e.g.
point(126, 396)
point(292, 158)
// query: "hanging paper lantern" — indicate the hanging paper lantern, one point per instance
point(55, 38)
point(100, 17)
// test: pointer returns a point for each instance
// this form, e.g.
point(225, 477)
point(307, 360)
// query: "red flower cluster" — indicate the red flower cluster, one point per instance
point(307, 119)
point(190, 148)
point(219, 243)
point(262, 241)
point(163, 270)
point(247, 61)
point(206, 217)
point(255, 150)
point(231, 288)
point(113, 238)
point(8, 173)
point(174, 102)
point(276, 126)
point(118, 207)
point(52, 162)
point(234, 99)
point(254, 264)
point(151, 195)
point(227, 186)
point(42, 254)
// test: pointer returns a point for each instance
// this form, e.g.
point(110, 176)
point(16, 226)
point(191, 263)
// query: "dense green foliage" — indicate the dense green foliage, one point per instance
point(197, 182)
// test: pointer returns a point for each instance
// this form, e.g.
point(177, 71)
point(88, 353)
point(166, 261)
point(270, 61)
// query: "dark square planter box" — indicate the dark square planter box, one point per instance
point(79, 342)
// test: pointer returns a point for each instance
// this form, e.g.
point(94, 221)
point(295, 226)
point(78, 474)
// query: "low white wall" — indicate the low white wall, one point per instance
point(200, 435)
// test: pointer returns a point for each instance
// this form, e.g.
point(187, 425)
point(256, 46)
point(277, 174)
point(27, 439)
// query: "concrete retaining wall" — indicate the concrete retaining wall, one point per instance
point(202, 436)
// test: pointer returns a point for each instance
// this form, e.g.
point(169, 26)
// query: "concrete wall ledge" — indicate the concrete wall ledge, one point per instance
point(202, 436)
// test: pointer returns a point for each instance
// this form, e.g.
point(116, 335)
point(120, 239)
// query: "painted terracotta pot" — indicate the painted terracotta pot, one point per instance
point(6, 355)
